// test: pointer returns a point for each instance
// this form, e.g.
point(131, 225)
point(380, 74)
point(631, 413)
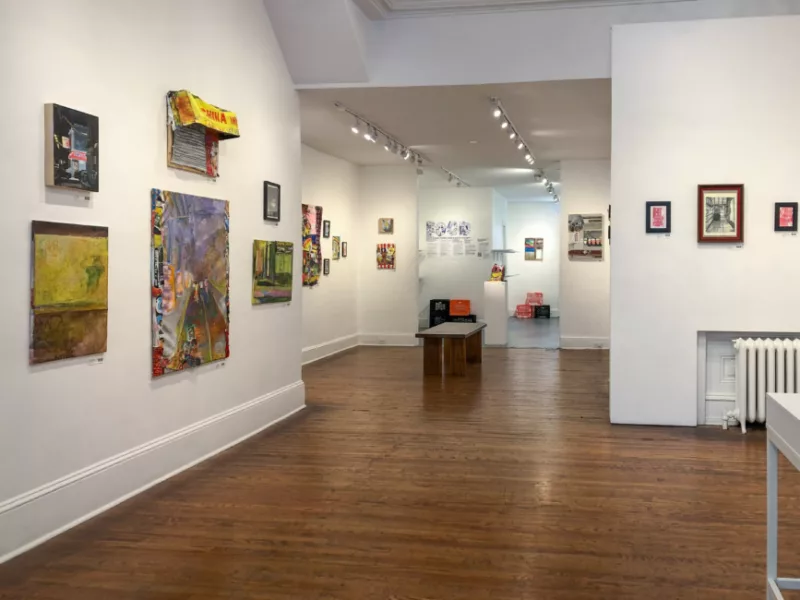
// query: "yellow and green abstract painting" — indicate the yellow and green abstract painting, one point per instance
point(69, 291)
point(272, 271)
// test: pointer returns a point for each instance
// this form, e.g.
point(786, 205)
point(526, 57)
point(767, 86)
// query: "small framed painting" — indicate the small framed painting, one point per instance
point(385, 225)
point(336, 246)
point(272, 202)
point(720, 214)
point(534, 249)
point(326, 266)
point(786, 216)
point(344, 249)
point(658, 217)
point(326, 229)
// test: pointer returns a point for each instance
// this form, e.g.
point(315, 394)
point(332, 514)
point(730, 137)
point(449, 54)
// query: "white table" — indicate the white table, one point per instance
point(783, 434)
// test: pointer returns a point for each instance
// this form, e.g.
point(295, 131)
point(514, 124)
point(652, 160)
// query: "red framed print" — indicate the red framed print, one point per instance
point(720, 214)
point(658, 217)
point(786, 216)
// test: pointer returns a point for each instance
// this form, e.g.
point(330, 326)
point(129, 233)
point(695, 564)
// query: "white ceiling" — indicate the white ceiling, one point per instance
point(454, 128)
point(387, 9)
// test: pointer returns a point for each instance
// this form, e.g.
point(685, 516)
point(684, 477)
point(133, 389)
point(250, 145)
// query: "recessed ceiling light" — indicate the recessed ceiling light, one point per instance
point(473, 141)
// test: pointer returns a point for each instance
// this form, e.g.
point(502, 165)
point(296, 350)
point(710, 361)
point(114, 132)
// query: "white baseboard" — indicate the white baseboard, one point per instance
point(36, 516)
point(320, 351)
point(716, 407)
point(584, 343)
point(387, 339)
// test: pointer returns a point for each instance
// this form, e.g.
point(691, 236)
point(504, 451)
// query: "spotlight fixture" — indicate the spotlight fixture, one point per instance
point(371, 132)
point(520, 146)
point(528, 157)
point(497, 113)
point(512, 135)
point(544, 180)
point(504, 125)
point(450, 178)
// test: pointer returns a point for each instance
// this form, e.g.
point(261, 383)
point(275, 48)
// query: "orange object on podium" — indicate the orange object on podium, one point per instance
point(459, 308)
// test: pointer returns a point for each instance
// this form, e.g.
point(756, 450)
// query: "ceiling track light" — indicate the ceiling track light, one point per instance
point(372, 133)
point(513, 133)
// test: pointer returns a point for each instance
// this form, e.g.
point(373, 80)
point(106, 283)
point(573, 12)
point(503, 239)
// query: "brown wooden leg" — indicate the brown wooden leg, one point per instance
point(433, 356)
point(448, 356)
point(475, 348)
point(458, 357)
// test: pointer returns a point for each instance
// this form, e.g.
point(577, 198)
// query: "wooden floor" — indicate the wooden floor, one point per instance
point(507, 484)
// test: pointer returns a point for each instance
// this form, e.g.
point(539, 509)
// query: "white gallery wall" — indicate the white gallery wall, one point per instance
point(584, 298)
point(459, 277)
point(527, 219)
point(387, 300)
point(330, 321)
point(76, 435)
point(689, 110)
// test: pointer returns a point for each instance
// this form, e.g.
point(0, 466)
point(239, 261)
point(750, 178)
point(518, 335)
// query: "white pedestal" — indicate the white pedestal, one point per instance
point(495, 307)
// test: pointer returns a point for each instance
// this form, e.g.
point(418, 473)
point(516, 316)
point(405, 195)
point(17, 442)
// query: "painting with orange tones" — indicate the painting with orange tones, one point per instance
point(69, 291)
point(190, 281)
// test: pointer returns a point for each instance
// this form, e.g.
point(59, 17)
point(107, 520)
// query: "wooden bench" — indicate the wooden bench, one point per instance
point(452, 346)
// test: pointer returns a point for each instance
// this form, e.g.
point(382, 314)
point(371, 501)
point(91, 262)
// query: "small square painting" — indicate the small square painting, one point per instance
point(272, 272)
point(385, 225)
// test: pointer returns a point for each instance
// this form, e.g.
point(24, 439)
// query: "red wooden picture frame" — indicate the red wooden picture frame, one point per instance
point(704, 236)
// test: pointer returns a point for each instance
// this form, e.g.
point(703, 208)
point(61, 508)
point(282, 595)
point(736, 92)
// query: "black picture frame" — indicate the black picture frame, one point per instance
point(648, 217)
point(344, 249)
point(783, 205)
point(326, 266)
point(326, 229)
point(272, 211)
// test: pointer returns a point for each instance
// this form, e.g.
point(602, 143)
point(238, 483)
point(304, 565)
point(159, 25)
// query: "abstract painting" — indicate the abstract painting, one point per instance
point(69, 291)
point(312, 253)
point(658, 217)
point(385, 225)
point(72, 148)
point(190, 280)
point(534, 249)
point(786, 216)
point(336, 246)
point(272, 272)
point(386, 256)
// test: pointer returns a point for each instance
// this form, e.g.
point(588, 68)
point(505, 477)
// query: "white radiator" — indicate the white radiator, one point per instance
point(762, 366)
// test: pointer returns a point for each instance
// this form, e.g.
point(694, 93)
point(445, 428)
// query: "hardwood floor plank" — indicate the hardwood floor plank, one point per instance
point(507, 483)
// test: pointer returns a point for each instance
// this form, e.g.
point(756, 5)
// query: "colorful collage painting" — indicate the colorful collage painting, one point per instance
point(312, 253)
point(336, 247)
point(272, 272)
point(386, 256)
point(534, 249)
point(69, 291)
point(190, 281)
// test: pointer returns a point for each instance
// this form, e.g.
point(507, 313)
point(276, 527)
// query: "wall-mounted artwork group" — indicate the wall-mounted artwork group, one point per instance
point(190, 281)
point(69, 291)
